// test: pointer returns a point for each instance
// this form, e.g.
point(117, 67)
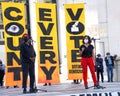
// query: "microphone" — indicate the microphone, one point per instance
point(32, 40)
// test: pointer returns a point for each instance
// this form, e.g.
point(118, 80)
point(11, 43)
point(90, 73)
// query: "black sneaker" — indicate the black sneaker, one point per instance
point(86, 87)
point(45, 84)
point(97, 87)
point(16, 86)
point(7, 87)
point(32, 90)
point(49, 84)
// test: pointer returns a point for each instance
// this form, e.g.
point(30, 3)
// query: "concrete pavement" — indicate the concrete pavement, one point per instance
point(67, 89)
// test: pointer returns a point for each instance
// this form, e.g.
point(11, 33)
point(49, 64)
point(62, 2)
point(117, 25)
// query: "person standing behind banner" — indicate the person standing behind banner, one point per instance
point(28, 55)
point(99, 67)
point(47, 84)
point(109, 60)
point(87, 60)
point(2, 73)
point(77, 81)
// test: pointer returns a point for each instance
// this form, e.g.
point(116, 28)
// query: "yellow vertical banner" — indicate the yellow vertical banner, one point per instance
point(48, 61)
point(75, 30)
point(14, 28)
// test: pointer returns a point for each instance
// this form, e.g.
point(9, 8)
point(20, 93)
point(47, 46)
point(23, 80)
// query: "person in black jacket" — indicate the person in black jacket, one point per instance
point(99, 67)
point(28, 55)
point(109, 60)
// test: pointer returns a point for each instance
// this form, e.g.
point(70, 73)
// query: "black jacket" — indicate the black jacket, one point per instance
point(106, 61)
point(26, 51)
point(99, 63)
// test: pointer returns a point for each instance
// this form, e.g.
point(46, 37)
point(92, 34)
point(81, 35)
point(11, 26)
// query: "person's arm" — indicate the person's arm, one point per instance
point(101, 61)
point(93, 55)
point(81, 50)
point(112, 60)
point(4, 68)
point(106, 61)
point(33, 58)
point(80, 53)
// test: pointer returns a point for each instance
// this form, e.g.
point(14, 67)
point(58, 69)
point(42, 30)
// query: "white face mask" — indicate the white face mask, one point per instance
point(85, 41)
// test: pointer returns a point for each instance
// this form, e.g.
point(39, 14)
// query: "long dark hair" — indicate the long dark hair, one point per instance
point(89, 39)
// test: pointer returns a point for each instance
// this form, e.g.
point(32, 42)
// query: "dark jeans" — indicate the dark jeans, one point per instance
point(100, 72)
point(1, 77)
point(110, 73)
point(28, 68)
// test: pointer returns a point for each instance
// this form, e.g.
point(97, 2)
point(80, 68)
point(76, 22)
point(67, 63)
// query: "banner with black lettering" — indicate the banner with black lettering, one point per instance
point(100, 93)
point(14, 28)
point(75, 30)
point(48, 61)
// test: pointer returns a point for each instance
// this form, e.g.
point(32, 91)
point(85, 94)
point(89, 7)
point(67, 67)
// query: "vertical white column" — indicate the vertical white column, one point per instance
point(34, 32)
point(62, 39)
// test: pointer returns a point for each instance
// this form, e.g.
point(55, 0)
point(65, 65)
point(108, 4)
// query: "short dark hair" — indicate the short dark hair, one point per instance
point(108, 53)
point(89, 39)
point(99, 55)
point(25, 35)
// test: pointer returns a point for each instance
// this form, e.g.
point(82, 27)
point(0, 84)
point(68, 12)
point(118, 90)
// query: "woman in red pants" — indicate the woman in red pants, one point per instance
point(87, 60)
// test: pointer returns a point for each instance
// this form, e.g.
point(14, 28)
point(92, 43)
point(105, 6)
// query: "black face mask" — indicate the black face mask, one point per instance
point(25, 39)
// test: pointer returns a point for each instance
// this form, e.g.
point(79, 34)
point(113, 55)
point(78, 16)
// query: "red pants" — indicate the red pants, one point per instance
point(88, 62)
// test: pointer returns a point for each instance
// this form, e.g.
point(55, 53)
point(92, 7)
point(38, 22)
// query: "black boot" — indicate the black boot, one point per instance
point(24, 91)
point(16, 86)
point(45, 84)
point(86, 87)
point(49, 84)
point(97, 86)
point(33, 90)
point(2, 83)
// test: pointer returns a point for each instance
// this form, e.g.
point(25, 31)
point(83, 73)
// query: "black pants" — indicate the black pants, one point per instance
point(28, 68)
point(100, 72)
point(2, 73)
point(76, 81)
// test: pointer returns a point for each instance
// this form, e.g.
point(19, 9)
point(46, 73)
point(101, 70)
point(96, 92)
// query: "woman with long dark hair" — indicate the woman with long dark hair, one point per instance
point(87, 60)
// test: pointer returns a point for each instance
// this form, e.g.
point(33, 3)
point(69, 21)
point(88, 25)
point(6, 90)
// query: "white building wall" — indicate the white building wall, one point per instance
point(114, 26)
point(103, 27)
point(109, 25)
